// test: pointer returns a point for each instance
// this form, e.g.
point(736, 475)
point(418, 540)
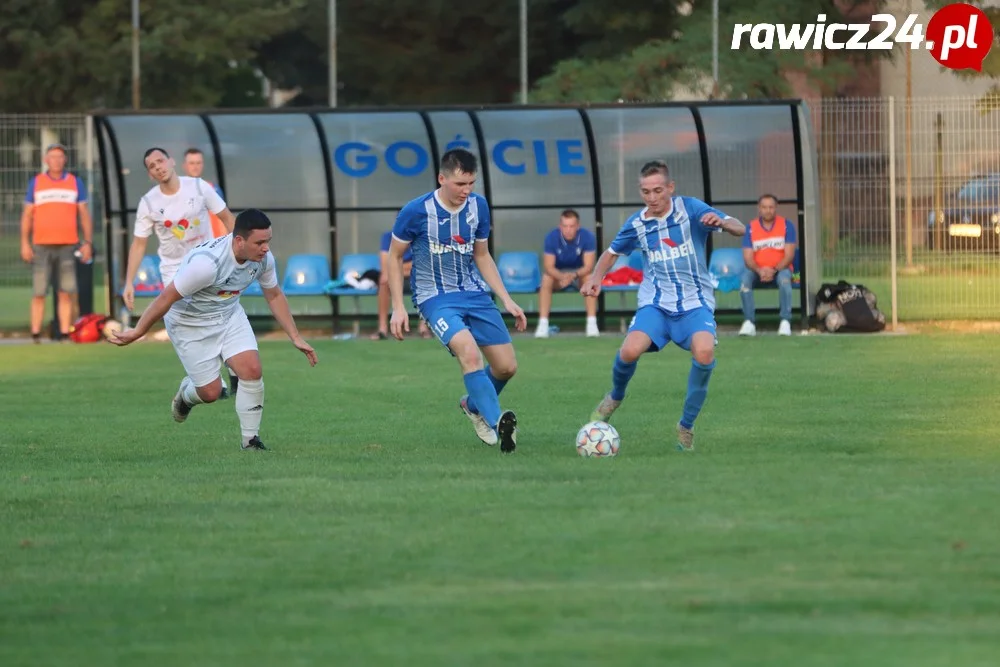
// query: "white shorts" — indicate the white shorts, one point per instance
point(168, 271)
point(199, 348)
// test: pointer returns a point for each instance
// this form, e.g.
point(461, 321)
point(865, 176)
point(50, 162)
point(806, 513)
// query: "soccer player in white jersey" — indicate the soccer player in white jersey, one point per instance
point(676, 297)
point(448, 230)
point(202, 311)
point(177, 209)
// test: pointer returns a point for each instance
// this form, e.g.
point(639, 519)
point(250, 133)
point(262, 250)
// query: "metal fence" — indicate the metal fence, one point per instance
point(909, 201)
point(23, 139)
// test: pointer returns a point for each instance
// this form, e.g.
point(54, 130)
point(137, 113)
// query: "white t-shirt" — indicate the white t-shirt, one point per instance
point(180, 220)
point(211, 281)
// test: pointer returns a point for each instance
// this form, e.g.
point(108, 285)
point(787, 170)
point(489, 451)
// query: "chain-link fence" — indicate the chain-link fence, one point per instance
point(928, 169)
point(23, 139)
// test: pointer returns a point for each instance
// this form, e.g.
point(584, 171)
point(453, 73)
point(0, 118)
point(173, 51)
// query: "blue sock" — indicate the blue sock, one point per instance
point(482, 396)
point(697, 391)
point(620, 376)
point(498, 385)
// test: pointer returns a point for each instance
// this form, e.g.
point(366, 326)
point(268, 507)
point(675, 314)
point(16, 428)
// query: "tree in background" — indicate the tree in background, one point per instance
point(991, 64)
point(68, 55)
point(678, 59)
point(443, 52)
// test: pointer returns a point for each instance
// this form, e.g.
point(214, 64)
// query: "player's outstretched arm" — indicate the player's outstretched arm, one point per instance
point(488, 270)
point(168, 297)
point(592, 286)
point(399, 323)
point(278, 303)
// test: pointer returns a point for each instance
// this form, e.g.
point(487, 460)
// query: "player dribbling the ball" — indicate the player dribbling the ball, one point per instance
point(676, 297)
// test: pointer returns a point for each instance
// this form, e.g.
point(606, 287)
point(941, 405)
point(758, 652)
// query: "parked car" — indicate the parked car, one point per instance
point(971, 215)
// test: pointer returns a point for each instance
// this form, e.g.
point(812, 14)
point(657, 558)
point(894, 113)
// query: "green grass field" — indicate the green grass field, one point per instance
point(840, 509)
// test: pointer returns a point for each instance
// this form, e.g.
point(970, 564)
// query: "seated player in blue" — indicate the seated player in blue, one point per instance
point(383, 288)
point(676, 297)
point(448, 230)
point(570, 252)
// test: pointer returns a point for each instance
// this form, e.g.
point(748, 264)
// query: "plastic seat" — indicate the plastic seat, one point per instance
point(520, 271)
point(727, 266)
point(148, 281)
point(356, 266)
point(306, 275)
point(633, 261)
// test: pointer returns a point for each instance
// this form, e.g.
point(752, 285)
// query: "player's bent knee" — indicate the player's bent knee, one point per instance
point(703, 354)
point(630, 352)
point(210, 393)
point(470, 361)
point(505, 370)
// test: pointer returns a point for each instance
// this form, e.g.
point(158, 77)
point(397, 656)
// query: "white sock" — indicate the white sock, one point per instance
point(189, 393)
point(543, 323)
point(592, 321)
point(250, 407)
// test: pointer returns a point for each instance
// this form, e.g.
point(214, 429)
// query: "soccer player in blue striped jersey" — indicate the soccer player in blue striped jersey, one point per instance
point(448, 230)
point(676, 297)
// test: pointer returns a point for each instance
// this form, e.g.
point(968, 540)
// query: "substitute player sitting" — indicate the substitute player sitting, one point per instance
point(201, 309)
point(448, 230)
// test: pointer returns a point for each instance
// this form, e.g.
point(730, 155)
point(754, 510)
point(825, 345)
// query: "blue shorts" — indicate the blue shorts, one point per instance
point(663, 327)
point(450, 313)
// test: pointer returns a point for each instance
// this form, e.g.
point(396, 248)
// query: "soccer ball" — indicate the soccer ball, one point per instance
point(111, 327)
point(598, 439)
point(834, 320)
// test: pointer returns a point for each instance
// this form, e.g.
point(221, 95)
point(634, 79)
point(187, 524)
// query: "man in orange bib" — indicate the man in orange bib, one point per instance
point(49, 236)
point(194, 165)
point(768, 250)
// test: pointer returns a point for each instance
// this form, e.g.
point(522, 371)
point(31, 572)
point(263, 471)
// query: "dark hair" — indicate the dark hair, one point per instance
point(655, 167)
point(193, 151)
point(767, 195)
point(150, 151)
point(570, 213)
point(459, 160)
point(249, 220)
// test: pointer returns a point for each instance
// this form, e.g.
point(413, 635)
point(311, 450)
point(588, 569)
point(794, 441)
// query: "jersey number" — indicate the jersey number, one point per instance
point(440, 327)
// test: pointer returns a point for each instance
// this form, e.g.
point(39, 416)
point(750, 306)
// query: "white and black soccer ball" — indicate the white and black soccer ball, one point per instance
point(835, 319)
point(598, 439)
point(823, 309)
point(111, 327)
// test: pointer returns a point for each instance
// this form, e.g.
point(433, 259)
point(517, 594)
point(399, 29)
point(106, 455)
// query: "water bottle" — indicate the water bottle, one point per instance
point(79, 255)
